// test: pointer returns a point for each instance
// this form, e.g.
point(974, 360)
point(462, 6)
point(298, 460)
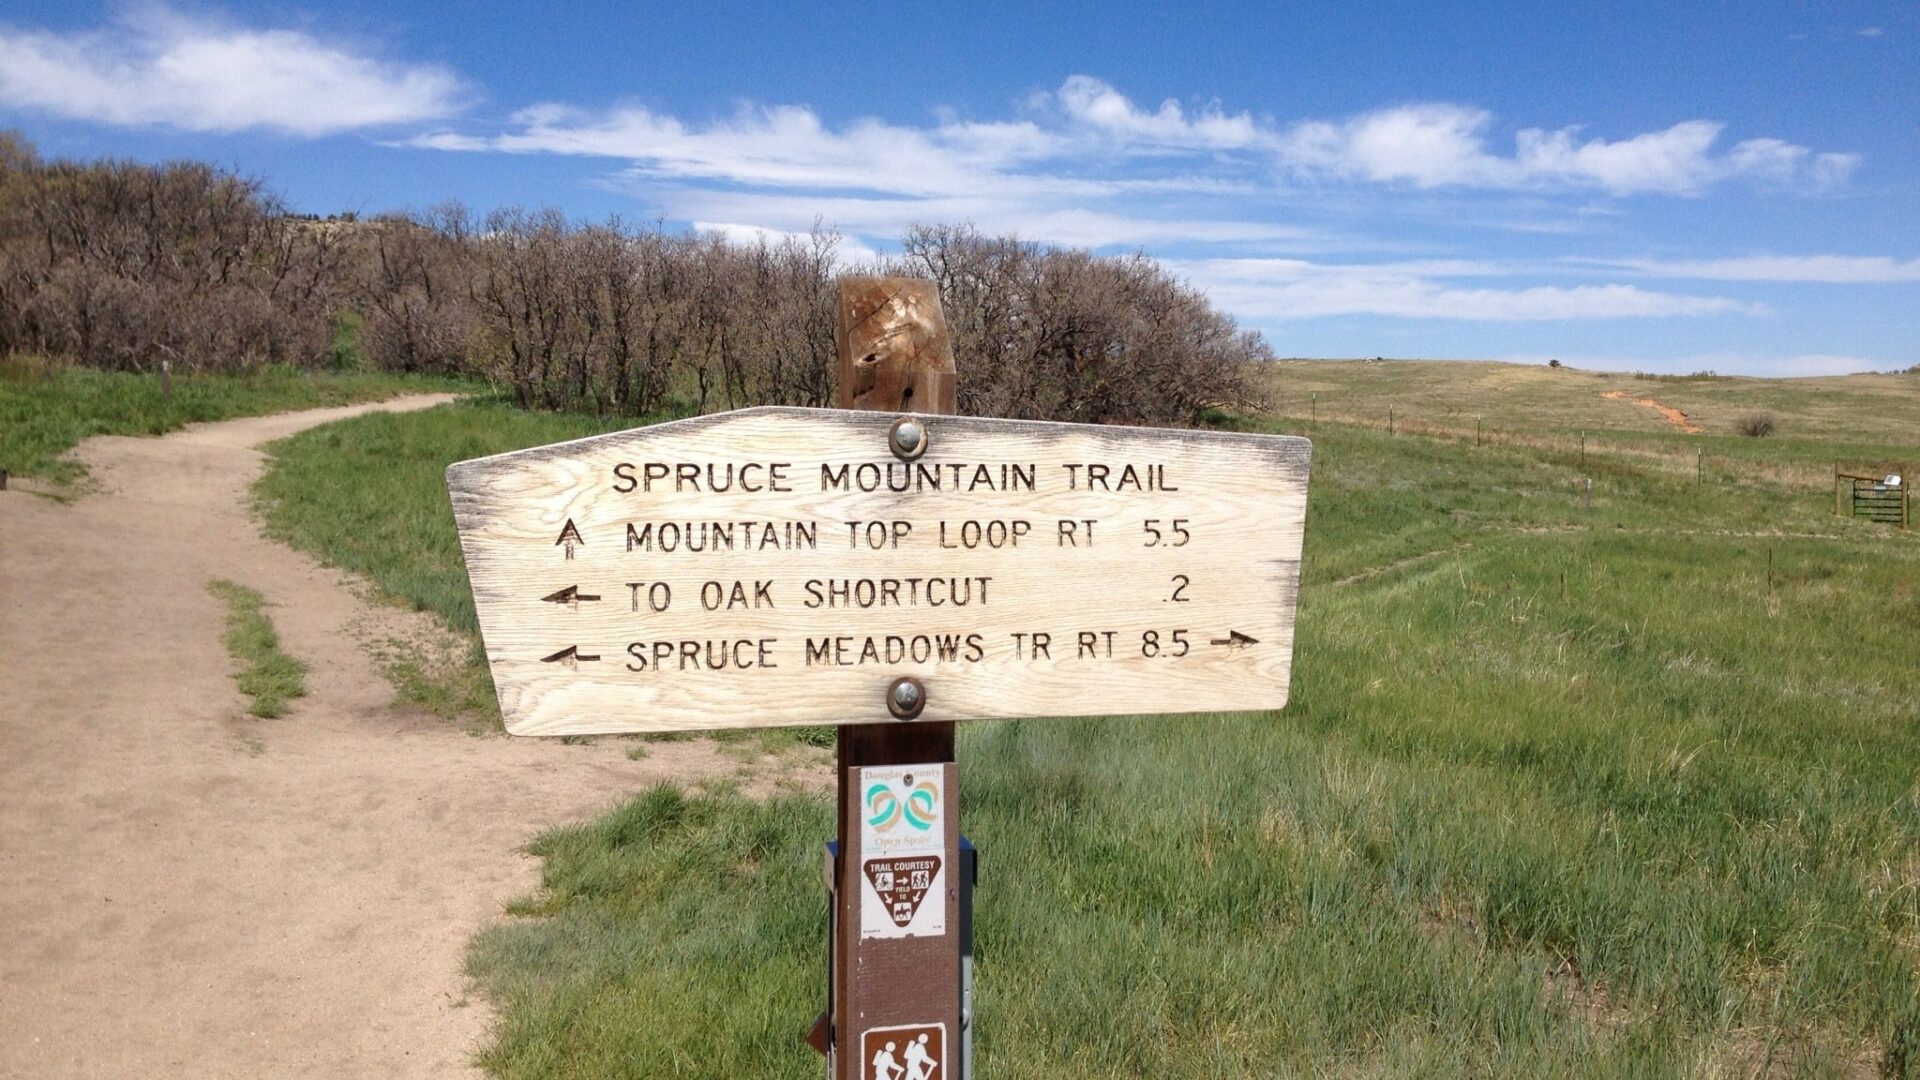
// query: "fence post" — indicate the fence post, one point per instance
point(1476, 429)
point(1389, 419)
point(1315, 415)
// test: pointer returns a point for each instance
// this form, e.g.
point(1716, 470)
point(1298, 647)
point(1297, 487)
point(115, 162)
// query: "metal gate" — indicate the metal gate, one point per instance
point(1884, 499)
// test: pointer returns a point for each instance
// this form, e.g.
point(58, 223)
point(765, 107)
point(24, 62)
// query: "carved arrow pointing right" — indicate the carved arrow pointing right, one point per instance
point(1234, 640)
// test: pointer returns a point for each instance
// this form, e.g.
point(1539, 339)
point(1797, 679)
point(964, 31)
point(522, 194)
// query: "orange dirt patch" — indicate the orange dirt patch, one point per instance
point(1672, 415)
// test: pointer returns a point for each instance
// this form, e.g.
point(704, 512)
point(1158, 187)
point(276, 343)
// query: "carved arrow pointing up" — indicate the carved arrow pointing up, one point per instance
point(1235, 639)
point(570, 654)
point(569, 595)
point(570, 535)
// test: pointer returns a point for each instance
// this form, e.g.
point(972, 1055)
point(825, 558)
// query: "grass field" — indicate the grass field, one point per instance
point(1632, 791)
point(265, 673)
point(45, 408)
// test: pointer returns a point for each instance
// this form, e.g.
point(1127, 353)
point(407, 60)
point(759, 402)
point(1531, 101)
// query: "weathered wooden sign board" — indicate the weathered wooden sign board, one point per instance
point(784, 566)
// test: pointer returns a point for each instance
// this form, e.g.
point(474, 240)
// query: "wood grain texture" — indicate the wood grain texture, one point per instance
point(1242, 499)
point(894, 350)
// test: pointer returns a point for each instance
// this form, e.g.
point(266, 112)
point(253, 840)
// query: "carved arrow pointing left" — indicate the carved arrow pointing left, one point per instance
point(569, 595)
point(570, 654)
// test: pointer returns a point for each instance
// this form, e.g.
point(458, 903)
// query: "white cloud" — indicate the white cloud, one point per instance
point(1445, 145)
point(846, 252)
point(1834, 269)
point(165, 69)
point(1094, 103)
point(1871, 31)
point(1043, 220)
point(1281, 289)
point(787, 146)
point(1087, 140)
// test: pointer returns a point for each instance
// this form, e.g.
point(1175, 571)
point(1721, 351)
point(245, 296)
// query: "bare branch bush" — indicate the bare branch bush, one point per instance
point(121, 265)
point(1059, 334)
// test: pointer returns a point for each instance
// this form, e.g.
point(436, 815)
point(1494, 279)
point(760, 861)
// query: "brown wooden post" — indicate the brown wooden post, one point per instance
point(895, 356)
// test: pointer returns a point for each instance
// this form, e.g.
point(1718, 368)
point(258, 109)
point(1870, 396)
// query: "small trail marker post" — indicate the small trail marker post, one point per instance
point(890, 568)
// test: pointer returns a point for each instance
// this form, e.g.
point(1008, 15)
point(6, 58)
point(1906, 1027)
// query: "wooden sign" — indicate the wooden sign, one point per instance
point(781, 566)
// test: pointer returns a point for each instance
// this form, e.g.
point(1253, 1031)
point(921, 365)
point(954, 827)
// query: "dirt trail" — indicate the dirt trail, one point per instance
point(191, 892)
point(1672, 415)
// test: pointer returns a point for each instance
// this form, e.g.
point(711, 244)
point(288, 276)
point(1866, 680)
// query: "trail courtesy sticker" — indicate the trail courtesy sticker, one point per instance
point(902, 841)
point(901, 884)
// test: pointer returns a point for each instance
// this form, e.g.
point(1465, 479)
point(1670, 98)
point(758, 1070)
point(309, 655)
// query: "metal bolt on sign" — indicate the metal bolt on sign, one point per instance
point(906, 698)
point(908, 437)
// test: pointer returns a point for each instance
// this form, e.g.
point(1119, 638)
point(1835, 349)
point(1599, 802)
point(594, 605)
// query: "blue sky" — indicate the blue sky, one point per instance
point(1670, 187)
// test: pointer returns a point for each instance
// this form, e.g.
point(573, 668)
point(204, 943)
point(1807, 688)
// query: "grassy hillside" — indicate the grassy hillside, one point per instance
point(1628, 791)
point(1527, 398)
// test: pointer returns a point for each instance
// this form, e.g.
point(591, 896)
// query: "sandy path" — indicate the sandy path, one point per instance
point(191, 892)
point(1667, 412)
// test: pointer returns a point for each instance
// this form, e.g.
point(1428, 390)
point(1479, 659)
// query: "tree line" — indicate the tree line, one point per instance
point(124, 266)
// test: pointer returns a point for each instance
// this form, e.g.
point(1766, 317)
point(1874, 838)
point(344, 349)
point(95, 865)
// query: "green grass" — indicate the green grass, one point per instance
point(46, 408)
point(266, 674)
point(370, 495)
point(1632, 791)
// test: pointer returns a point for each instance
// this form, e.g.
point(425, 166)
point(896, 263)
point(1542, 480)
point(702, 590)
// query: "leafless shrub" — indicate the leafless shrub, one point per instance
point(411, 290)
point(121, 265)
point(1755, 425)
point(1047, 333)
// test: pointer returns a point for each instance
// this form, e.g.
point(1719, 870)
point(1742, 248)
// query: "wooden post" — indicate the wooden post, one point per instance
point(1477, 421)
point(895, 356)
point(166, 379)
point(1316, 406)
point(1389, 419)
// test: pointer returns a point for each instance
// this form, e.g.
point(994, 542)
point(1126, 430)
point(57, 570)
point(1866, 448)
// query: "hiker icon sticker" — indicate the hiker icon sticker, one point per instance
point(909, 1052)
point(903, 842)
